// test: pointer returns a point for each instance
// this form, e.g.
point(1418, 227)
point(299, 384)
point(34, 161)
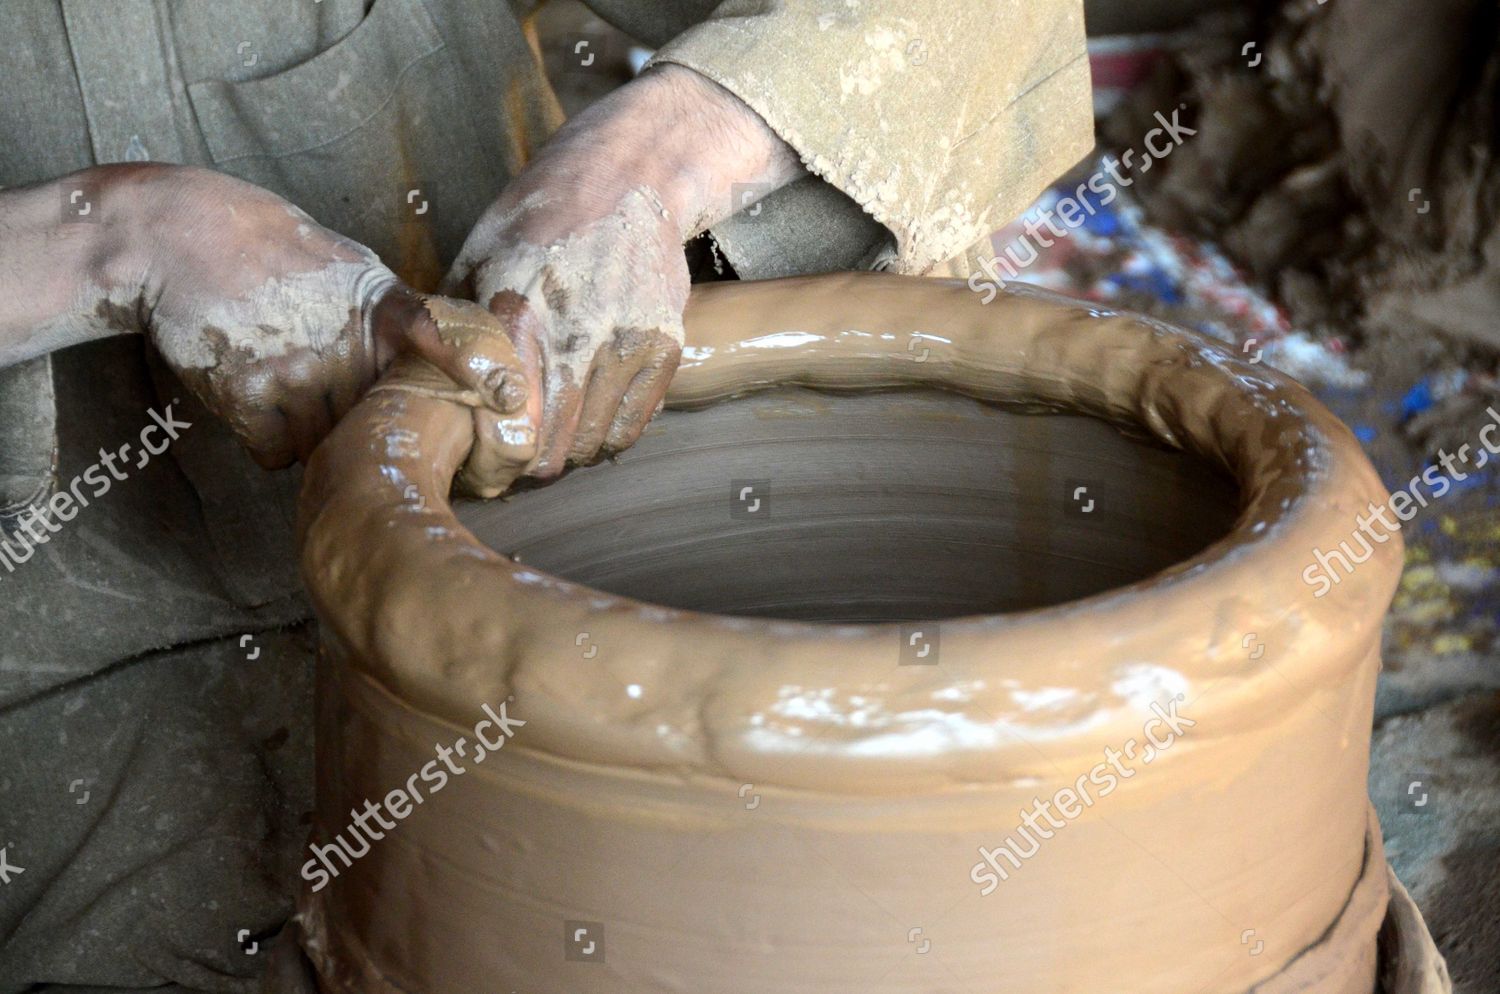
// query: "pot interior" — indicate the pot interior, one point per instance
point(876, 507)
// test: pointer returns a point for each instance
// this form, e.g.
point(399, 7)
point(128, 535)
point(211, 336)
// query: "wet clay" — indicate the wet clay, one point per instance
point(869, 507)
point(744, 804)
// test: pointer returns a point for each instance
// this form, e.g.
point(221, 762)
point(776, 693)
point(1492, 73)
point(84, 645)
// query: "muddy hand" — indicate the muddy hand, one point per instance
point(279, 324)
point(504, 433)
point(581, 257)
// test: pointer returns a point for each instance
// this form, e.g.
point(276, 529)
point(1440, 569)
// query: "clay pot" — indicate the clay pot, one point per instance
point(778, 747)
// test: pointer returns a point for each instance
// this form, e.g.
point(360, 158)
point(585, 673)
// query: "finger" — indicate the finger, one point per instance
point(300, 388)
point(471, 345)
point(526, 337)
point(610, 376)
point(560, 414)
point(503, 448)
point(249, 402)
point(265, 435)
point(309, 419)
point(642, 400)
point(268, 459)
point(343, 393)
point(553, 400)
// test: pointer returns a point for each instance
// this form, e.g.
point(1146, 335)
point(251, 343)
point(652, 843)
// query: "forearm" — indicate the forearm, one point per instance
point(745, 159)
point(694, 143)
point(68, 269)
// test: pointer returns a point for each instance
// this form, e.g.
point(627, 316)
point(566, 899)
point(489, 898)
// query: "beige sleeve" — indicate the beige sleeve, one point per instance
point(942, 119)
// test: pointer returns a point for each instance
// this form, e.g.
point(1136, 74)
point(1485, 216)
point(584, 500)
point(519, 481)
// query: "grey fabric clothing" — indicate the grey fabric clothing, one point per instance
point(28, 428)
point(338, 110)
point(153, 796)
point(158, 818)
point(813, 227)
point(136, 570)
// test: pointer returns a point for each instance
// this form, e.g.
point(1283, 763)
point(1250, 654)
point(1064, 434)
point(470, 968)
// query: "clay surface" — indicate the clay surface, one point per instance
point(748, 804)
point(873, 507)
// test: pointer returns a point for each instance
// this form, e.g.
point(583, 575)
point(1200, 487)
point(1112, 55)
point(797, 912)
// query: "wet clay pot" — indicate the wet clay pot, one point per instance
point(897, 571)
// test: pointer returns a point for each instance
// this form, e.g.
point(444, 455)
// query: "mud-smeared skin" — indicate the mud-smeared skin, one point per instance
point(756, 805)
point(281, 324)
point(582, 254)
point(276, 323)
point(504, 434)
point(602, 327)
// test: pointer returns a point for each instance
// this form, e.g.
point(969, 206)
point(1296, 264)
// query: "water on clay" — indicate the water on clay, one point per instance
point(873, 507)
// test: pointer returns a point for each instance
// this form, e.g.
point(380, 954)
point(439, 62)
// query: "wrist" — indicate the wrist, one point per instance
point(75, 245)
point(138, 206)
point(710, 153)
point(393, 310)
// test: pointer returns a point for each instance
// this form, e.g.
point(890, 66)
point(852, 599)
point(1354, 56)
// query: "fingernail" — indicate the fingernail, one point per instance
point(509, 395)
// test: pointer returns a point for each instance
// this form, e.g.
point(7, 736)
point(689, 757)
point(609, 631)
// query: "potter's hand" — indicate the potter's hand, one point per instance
point(582, 256)
point(280, 324)
point(276, 323)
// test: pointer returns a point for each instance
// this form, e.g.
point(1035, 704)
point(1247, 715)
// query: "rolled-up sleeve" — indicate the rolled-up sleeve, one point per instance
point(942, 120)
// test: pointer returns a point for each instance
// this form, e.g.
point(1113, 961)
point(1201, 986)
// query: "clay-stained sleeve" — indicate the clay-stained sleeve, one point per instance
point(942, 119)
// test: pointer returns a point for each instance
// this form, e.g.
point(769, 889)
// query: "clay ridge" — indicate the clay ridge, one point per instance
point(442, 621)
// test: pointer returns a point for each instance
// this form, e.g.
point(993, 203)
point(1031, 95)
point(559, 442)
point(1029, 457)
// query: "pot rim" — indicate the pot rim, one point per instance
point(409, 596)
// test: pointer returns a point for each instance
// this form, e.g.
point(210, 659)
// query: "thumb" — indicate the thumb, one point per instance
point(463, 340)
